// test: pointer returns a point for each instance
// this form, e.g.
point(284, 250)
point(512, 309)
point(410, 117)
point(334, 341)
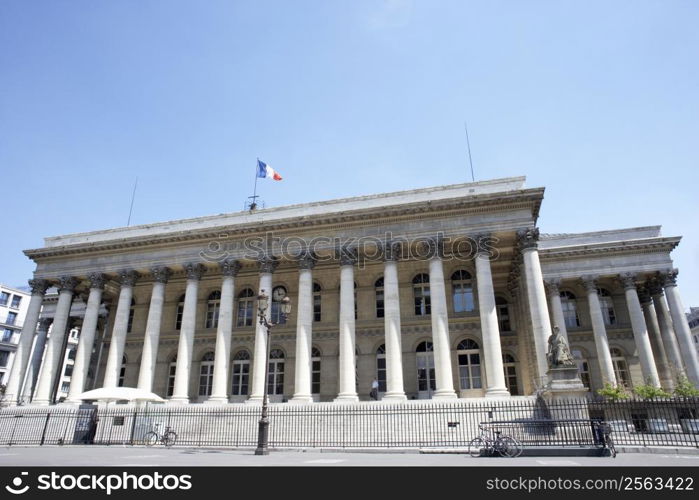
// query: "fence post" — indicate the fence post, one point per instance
point(133, 426)
point(46, 424)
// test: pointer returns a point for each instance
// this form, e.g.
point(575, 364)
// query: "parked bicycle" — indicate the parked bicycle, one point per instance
point(491, 441)
point(168, 437)
point(605, 434)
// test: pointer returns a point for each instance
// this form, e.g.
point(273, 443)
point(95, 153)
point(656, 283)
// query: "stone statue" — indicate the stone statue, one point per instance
point(559, 353)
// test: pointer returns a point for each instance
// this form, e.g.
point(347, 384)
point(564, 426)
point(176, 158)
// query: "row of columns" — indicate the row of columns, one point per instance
point(662, 347)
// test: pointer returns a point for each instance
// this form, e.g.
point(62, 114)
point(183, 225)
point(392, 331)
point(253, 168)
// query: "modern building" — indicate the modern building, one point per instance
point(13, 309)
point(438, 293)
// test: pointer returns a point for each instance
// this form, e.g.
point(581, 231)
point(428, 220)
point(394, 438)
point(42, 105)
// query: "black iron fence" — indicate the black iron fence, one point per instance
point(414, 424)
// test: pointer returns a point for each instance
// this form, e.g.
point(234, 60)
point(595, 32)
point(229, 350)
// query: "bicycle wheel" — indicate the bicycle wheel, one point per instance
point(477, 447)
point(610, 445)
point(508, 447)
point(169, 438)
point(151, 438)
point(520, 447)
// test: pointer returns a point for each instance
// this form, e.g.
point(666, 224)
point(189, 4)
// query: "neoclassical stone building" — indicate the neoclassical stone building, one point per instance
point(441, 293)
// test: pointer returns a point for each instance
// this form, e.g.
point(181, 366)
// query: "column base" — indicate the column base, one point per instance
point(497, 393)
point(71, 402)
point(394, 397)
point(41, 402)
point(444, 394)
point(178, 401)
point(216, 401)
point(346, 398)
point(301, 400)
point(254, 400)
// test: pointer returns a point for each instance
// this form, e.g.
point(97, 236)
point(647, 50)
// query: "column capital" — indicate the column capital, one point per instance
point(654, 287)
point(482, 246)
point(161, 274)
point(643, 295)
point(348, 256)
point(128, 277)
point(668, 278)
point(306, 260)
point(553, 286)
point(230, 267)
point(590, 283)
point(528, 238)
point(39, 286)
point(67, 283)
point(434, 246)
point(97, 280)
point(628, 280)
point(267, 264)
point(392, 250)
point(45, 323)
point(194, 270)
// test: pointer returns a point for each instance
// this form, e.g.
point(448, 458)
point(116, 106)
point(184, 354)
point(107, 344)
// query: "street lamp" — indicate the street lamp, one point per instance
point(262, 305)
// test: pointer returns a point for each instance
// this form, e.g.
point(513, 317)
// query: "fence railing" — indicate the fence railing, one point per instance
point(414, 424)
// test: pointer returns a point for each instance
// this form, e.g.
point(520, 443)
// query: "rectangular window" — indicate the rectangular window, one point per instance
point(69, 371)
point(65, 386)
point(16, 299)
point(7, 335)
point(129, 327)
point(379, 304)
point(171, 379)
point(315, 377)
point(4, 356)
point(11, 318)
point(4, 298)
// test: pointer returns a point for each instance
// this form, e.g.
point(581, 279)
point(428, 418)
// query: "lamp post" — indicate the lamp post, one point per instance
point(262, 305)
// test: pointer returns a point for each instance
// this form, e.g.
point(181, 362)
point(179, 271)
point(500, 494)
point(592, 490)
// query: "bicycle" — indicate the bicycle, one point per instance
point(168, 437)
point(486, 444)
point(606, 438)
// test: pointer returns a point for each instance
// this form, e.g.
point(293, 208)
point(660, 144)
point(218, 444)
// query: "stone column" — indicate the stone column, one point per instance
point(149, 355)
point(180, 393)
point(220, 388)
point(681, 326)
point(640, 331)
point(304, 329)
point(536, 294)
point(121, 324)
point(600, 332)
point(392, 328)
point(54, 355)
point(553, 292)
point(667, 334)
point(24, 346)
point(492, 350)
point(348, 369)
point(267, 267)
point(656, 341)
point(87, 337)
point(440, 323)
point(32, 376)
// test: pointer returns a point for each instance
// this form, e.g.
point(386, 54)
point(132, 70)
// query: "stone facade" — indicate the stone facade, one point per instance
point(439, 293)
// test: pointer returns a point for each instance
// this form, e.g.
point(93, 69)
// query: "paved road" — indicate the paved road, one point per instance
point(120, 456)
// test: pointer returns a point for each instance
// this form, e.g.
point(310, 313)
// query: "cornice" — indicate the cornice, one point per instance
point(618, 247)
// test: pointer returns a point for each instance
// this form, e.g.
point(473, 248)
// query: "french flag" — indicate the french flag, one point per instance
point(266, 172)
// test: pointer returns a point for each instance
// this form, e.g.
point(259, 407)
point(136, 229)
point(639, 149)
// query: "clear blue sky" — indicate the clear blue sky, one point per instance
point(596, 101)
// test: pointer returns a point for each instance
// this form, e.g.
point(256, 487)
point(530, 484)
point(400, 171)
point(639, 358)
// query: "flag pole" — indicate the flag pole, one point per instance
point(253, 203)
point(133, 196)
point(468, 145)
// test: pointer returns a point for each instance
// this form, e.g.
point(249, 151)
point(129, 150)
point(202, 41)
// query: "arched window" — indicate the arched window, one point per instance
point(426, 382)
point(171, 369)
point(510, 366)
point(122, 371)
point(180, 311)
point(583, 367)
point(275, 380)
point(241, 373)
point(421, 294)
point(621, 369)
point(381, 367)
point(503, 310)
point(315, 371)
point(469, 355)
point(570, 309)
point(278, 293)
point(378, 287)
point(462, 289)
point(316, 302)
point(607, 305)
point(213, 306)
point(132, 311)
point(206, 374)
point(246, 304)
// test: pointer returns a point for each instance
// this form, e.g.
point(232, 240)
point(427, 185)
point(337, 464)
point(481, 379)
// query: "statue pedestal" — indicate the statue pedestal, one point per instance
point(566, 394)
